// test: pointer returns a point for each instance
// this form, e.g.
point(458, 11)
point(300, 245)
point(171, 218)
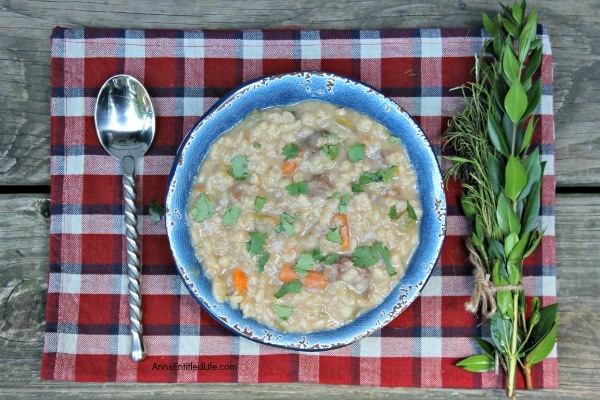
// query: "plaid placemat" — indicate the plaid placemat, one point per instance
point(186, 72)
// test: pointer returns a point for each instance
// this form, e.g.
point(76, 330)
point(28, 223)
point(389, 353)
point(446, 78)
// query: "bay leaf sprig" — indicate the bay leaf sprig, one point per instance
point(501, 174)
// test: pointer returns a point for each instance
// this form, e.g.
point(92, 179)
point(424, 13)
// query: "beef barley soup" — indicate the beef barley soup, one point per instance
point(305, 216)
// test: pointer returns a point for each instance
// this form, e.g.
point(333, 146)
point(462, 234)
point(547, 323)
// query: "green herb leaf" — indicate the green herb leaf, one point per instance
point(485, 346)
point(494, 173)
point(394, 139)
point(290, 151)
point(262, 261)
point(534, 96)
point(239, 167)
point(515, 102)
point(509, 242)
point(286, 223)
point(411, 211)
point(394, 213)
point(330, 135)
point(500, 329)
point(534, 62)
point(356, 152)
point(497, 135)
point(507, 218)
point(344, 200)
point(295, 189)
point(283, 312)
point(305, 263)
point(290, 287)
point(515, 178)
point(259, 203)
point(202, 210)
point(334, 235)
point(532, 205)
point(511, 66)
point(365, 256)
point(256, 243)
point(384, 252)
point(156, 211)
point(256, 145)
point(331, 151)
point(543, 348)
point(331, 258)
point(388, 174)
point(547, 319)
point(477, 363)
point(231, 215)
point(489, 25)
point(528, 135)
point(533, 170)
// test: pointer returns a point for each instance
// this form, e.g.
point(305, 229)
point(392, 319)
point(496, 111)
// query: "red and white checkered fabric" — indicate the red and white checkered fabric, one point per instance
point(186, 72)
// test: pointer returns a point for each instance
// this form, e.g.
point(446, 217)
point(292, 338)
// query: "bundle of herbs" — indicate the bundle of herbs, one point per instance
point(501, 175)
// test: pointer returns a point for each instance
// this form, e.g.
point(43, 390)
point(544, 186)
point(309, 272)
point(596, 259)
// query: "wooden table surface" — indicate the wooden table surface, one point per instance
point(25, 28)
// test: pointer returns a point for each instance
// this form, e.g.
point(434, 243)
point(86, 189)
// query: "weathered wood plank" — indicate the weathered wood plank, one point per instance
point(25, 60)
point(23, 282)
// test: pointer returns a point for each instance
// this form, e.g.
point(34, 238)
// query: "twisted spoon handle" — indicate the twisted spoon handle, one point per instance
point(133, 263)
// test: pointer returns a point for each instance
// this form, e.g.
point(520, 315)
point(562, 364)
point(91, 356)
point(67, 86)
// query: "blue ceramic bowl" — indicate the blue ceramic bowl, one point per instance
point(283, 90)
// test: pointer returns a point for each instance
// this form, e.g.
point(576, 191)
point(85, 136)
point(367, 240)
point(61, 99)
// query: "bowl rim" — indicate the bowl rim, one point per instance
point(315, 340)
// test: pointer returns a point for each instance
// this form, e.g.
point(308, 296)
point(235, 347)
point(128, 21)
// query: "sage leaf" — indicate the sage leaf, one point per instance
point(515, 102)
point(547, 319)
point(506, 217)
point(507, 127)
point(543, 348)
point(533, 169)
point(515, 178)
point(510, 65)
point(494, 173)
point(524, 45)
point(497, 136)
point(531, 25)
point(517, 12)
point(485, 346)
point(516, 254)
point(497, 250)
point(477, 363)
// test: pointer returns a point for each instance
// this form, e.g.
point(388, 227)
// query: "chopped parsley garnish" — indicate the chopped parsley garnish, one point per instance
point(283, 312)
point(331, 258)
point(330, 135)
point(239, 167)
point(411, 211)
point(331, 151)
point(394, 139)
point(365, 256)
point(255, 247)
point(256, 145)
point(356, 152)
point(317, 255)
point(202, 210)
point(334, 235)
point(290, 151)
point(305, 263)
point(384, 252)
point(290, 287)
point(343, 208)
point(381, 175)
point(286, 223)
point(259, 203)
point(156, 211)
point(394, 215)
point(231, 215)
point(294, 189)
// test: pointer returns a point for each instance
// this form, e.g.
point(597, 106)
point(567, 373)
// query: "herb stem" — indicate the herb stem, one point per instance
point(513, 354)
point(514, 138)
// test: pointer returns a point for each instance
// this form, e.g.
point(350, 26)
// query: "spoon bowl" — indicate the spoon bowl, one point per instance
point(125, 124)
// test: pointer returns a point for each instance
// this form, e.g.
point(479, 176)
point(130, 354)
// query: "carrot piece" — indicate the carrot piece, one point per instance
point(287, 273)
point(344, 230)
point(240, 280)
point(315, 279)
point(289, 167)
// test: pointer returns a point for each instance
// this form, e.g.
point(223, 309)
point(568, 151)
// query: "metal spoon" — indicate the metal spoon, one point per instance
point(125, 125)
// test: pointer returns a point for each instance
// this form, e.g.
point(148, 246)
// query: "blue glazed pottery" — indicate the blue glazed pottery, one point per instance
point(286, 89)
